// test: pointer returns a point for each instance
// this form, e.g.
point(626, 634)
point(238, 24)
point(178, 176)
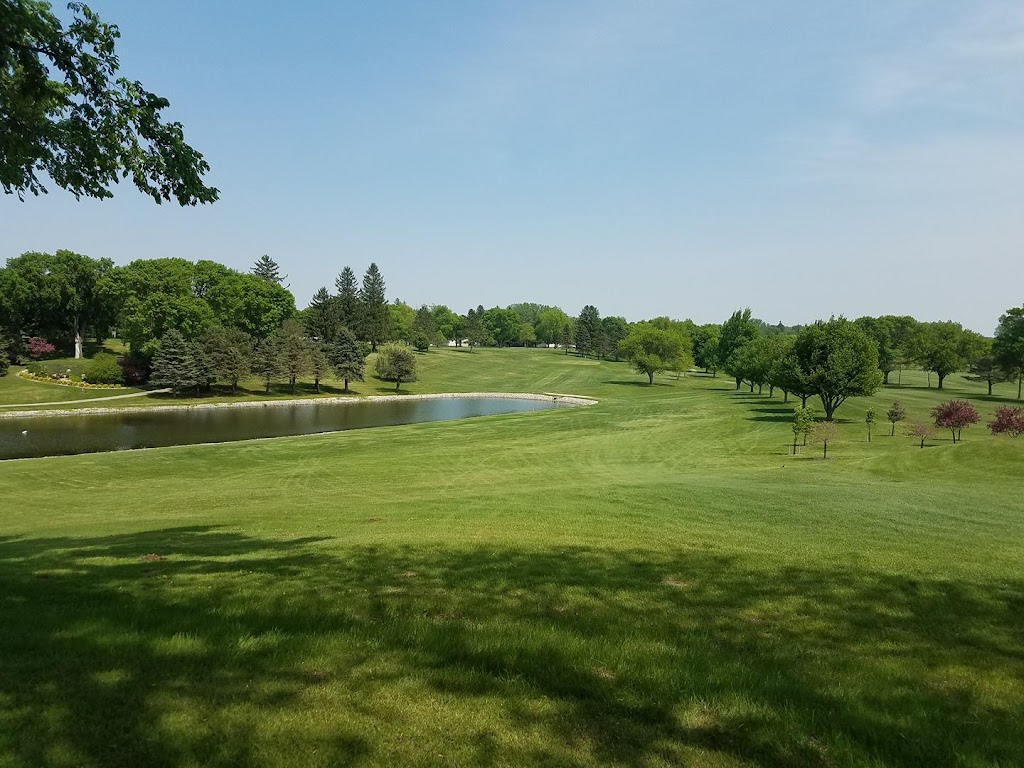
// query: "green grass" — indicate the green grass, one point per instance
point(648, 581)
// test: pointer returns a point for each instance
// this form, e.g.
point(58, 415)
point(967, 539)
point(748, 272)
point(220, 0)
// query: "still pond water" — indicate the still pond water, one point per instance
point(65, 435)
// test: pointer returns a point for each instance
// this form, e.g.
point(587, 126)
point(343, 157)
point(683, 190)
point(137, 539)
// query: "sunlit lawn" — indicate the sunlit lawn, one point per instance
point(649, 581)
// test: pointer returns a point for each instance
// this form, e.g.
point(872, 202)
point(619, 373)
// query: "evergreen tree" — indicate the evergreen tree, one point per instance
point(348, 299)
point(593, 335)
point(206, 369)
point(584, 343)
point(322, 317)
point(234, 360)
point(268, 269)
point(266, 361)
point(319, 365)
point(374, 304)
point(174, 363)
point(567, 336)
point(472, 327)
point(293, 351)
point(346, 358)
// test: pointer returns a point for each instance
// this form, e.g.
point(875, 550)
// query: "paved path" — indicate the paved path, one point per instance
point(86, 400)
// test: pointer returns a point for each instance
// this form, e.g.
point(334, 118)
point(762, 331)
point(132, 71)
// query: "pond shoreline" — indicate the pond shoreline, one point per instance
point(545, 397)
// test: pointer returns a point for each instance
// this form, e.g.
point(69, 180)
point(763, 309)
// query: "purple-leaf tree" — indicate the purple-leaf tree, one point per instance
point(1008, 421)
point(954, 416)
point(920, 430)
point(38, 346)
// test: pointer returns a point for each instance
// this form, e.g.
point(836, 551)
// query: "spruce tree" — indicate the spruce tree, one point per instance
point(174, 363)
point(374, 304)
point(322, 317)
point(293, 351)
point(346, 358)
point(319, 365)
point(267, 268)
point(348, 299)
point(266, 361)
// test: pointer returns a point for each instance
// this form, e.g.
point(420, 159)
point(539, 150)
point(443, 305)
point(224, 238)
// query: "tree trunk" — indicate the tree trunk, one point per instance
point(346, 387)
point(291, 381)
point(794, 444)
point(78, 341)
point(771, 390)
point(869, 434)
point(954, 435)
point(803, 400)
point(316, 384)
point(1020, 378)
point(785, 395)
point(398, 383)
point(740, 381)
point(885, 377)
point(268, 386)
point(942, 377)
point(760, 389)
point(234, 386)
point(922, 442)
point(892, 432)
point(990, 387)
point(650, 378)
point(824, 452)
point(751, 387)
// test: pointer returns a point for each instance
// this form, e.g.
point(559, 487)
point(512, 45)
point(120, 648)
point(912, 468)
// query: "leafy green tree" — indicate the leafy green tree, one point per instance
point(705, 347)
point(869, 420)
point(375, 318)
point(66, 113)
point(880, 329)
point(550, 325)
point(947, 348)
point(895, 414)
point(174, 364)
point(62, 294)
point(782, 370)
point(502, 325)
point(397, 363)
point(346, 358)
point(268, 269)
point(739, 329)
point(838, 360)
point(447, 325)
point(423, 326)
point(348, 299)
point(803, 420)
point(613, 331)
point(1008, 346)
point(651, 350)
point(567, 337)
point(402, 317)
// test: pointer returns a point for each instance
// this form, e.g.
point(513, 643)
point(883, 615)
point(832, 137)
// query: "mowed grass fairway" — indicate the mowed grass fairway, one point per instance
point(648, 581)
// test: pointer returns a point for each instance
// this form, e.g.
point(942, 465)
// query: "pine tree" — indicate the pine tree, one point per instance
point(174, 363)
point(293, 351)
point(348, 299)
point(375, 316)
point(267, 268)
point(346, 358)
point(266, 361)
point(319, 365)
point(588, 329)
point(322, 320)
point(474, 328)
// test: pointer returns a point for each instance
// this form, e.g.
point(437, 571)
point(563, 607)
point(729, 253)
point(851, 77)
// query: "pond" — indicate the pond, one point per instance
point(31, 437)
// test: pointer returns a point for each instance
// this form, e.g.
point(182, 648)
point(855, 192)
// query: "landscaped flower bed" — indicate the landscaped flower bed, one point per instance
point(65, 380)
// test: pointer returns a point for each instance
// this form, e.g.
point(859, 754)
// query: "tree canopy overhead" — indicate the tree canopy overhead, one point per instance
point(67, 114)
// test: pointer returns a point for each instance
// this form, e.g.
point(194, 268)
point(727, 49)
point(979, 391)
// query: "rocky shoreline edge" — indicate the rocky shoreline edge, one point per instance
point(547, 397)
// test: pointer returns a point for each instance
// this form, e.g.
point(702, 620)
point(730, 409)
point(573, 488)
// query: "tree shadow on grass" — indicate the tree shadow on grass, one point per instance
point(638, 383)
point(201, 645)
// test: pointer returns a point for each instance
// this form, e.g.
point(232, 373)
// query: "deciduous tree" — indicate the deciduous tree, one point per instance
point(68, 114)
point(650, 350)
point(919, 430)
point(824, 432)
point(739, 329)
point(838, 361)
point(895, 414)
point(1008, 347)
point(1008, 421)
point(954, 416)
point(397, 363)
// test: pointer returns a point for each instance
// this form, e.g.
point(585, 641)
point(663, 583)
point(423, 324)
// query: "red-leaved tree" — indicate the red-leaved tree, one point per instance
point(38, 346)
point(1008, 421)
point(954, 416)
point(920, 430)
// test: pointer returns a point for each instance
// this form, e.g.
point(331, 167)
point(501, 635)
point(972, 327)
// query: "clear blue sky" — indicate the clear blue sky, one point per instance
point(677, 158)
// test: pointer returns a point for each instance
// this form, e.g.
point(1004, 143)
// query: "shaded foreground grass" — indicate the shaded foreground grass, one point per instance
point(647, 581)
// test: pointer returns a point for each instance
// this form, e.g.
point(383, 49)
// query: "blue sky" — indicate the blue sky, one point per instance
point(652, 158)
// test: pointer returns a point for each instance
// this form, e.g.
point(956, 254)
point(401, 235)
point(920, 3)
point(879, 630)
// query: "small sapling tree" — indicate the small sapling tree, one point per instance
point(397, 363)
point(919, 430)
point(954, 416)
point(824, 432)
point(869, 420)
point(1008, 421)
point(803, 420)
point(895, 414)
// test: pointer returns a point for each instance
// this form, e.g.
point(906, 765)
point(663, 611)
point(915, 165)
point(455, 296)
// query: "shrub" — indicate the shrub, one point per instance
point(35, 368)
point(4, 365)
point(104, 369)
point(134, 372)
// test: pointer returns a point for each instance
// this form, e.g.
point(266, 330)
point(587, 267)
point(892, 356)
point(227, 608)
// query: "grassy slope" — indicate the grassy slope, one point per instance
point(646, 581)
